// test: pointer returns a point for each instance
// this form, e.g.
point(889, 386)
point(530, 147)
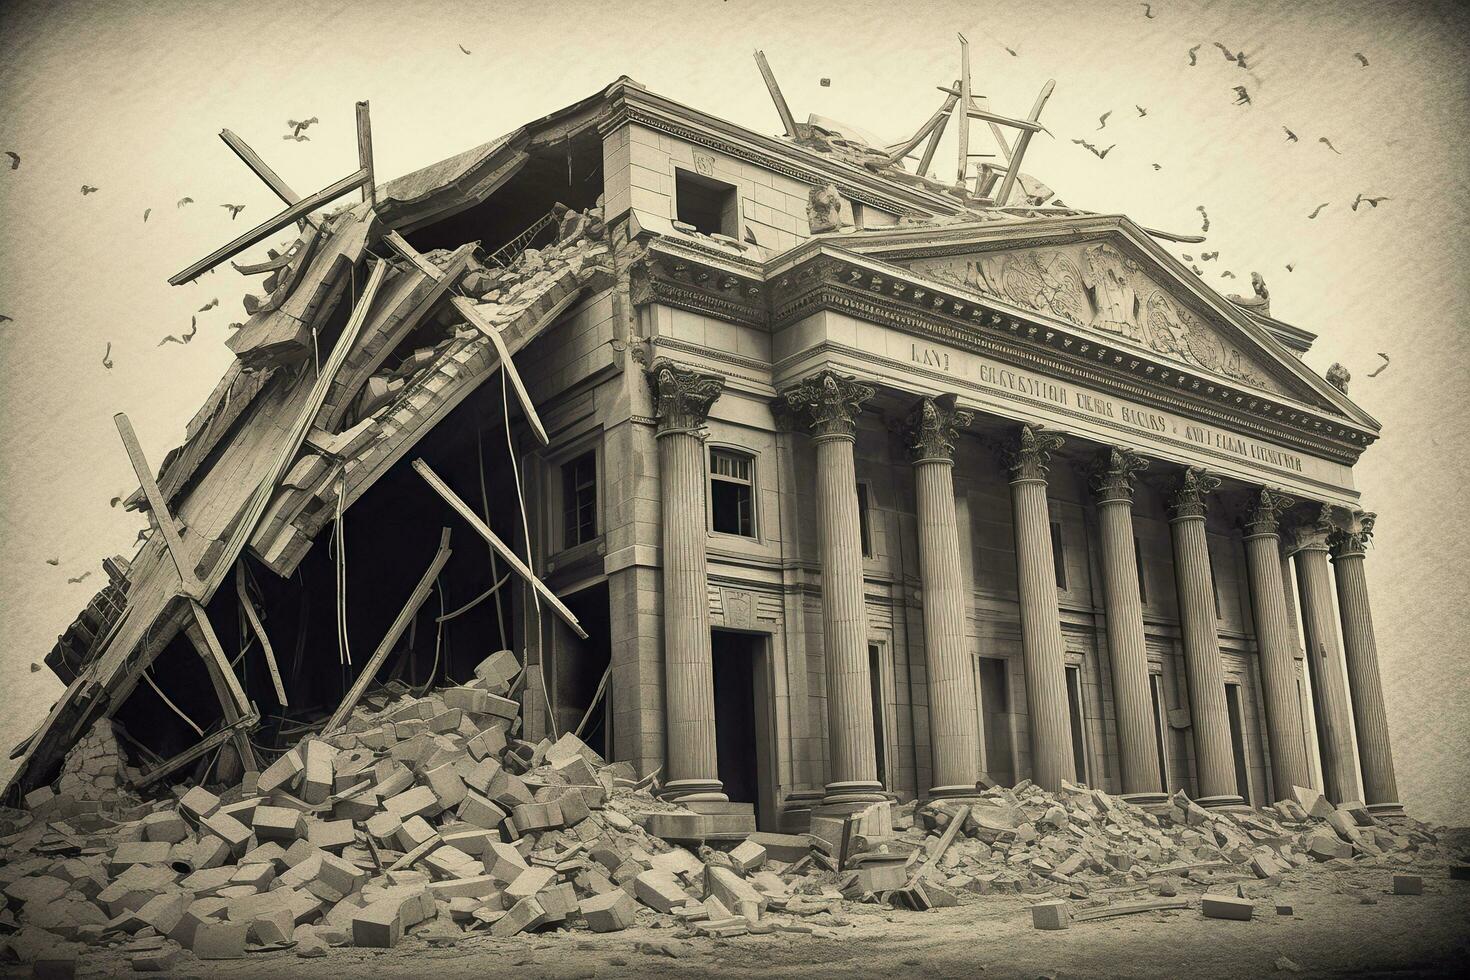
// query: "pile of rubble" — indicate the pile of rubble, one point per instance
point(428, 816)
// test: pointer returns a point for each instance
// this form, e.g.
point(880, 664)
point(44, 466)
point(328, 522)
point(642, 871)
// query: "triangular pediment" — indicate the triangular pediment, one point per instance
point(1105, 276)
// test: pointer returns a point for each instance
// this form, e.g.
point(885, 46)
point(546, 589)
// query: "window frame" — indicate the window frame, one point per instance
point(754, 484)
point(712, 183)
point(563, 472)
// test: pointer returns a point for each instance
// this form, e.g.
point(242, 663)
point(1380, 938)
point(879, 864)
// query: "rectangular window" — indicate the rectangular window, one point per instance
point(1142, 578)
point(1237, 740)
point(579, 500)
point(880, 712)
point(707, 204)
point(1058, 554)
point(1161, 725)
point(1074, 705)
point(865, 527)
point(732, 492)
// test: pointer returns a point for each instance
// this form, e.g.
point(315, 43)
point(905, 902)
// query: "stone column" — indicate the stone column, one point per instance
point(1214, 757)
point(1042, 650)
point(1324, 662)
point(953, 721)
point(829, 404)
point(682, 400)
point(1275, 643)
point(1138, 751)
point(1380, 789)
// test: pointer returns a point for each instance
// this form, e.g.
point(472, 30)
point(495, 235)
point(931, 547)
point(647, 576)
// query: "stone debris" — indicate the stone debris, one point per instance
point(426, 816)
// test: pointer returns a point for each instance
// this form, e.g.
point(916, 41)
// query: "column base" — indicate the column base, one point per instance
point(1213, 802)
point(694, 790)
point(859, 793)
point(1149, 798)
point(958, 791)
point(1387, 809)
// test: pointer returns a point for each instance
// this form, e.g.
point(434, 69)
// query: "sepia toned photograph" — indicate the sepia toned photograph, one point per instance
point(738, 488)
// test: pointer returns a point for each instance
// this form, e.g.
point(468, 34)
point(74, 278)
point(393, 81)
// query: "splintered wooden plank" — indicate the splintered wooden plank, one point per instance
point(964, 105)
point(469, 312)
point(481, 528)
point(365, 153)
point(390, 639)
point(935, 121)
point(261, 232)
point(1013, 172)
point(261, 169)
point(401, 245)
point(788, 122)
point(259, 628)
point(188, 582)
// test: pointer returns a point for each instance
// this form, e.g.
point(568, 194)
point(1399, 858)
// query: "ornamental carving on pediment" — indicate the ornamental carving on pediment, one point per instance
point(1099, 288)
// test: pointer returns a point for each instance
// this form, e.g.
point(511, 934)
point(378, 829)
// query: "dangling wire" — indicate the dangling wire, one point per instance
point(526, 535)
point(438, 639)
point(344, 651)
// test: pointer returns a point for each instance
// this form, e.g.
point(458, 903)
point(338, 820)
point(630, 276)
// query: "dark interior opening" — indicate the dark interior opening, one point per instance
point(880, 715)
point(995, 709)
point(734, 657)
point(1074, 707)
point(1237, 740)
point(707, 204)
point(1155, 684)
point(578, 666)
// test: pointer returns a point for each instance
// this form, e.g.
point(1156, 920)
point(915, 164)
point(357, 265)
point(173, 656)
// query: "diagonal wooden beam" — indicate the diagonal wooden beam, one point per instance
point(390, 639)
point(938, 119)
point(501, 548)
point(468, 311)
point(263, 231)
point(933, 144)
point(964, 105)
point(189, 584)
point(1013, 171)
point(259, 628)
point(261, 169)
point(788, 121)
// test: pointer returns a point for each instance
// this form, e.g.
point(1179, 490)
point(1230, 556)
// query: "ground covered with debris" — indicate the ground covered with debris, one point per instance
point(423, 825)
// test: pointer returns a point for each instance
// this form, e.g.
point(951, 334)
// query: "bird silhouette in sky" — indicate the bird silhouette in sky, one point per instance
point(6, 319)
point(183, 201)
point(299, 139)
point(1207, 256)
point(1100, 154)
point(14, 159)
point(1227, 274)
point(1158, 166)
point(1204, 217)
point(146, 213)
point(1229, 55)
point(1194, 54)
point(1328, 143)
point(1242, 97)
point(1197, 270)
point(1379, 370)
point(1187, 258)
point(210, 305)
point(185, 338)
point(296, 127)
point(88, 189)
point(1317, 211)
point(1291, 267)
point(53, 561)
point(1011, 52)
point(464, 49)
point(234, 209)
point(1141, 111)
point(1102, 120)
point(1290, 136)
point(1370, 201)
point(1362, 58)
point(1148, 11)
point(78, 578)
point(107, 356)
point(117, 500)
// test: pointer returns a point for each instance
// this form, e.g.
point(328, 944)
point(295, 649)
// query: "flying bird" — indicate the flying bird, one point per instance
point(1370, 201)
point(1141, 111)
point(1158, 166)
point(1193, 54)
point(1291, 267)
point(1290, 136)
point(299, 139)
point(183, 201)
point(1379, 370)
point(1197, 270)
point(1227, 274)
point(53, 561)
point(146, 213)
point(107, 356)
point(297, 127)
point(116, 500)
point(193, 329)
point(1242, 97)
point(1204, 217)
point(79, 578)
point(1317, 211)
point(1362, 58)
point(464, 49)
point(1102, 120)
point(88, 189)
point(1207, 256)
point(1188, 258)
point(6, 319)
point(1328, 143)
point(234, 209)
point(1148, 11)
point(1011, 52)
point(1229, 55)
point(1100, 154)
point(14, 159)
point(210, 305)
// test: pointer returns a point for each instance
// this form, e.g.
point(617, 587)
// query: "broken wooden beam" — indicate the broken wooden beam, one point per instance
point(189, 583)
point(263, 231)
point(964, 106)
point(788, 122)
point(390, 639)
point(501, 548)
point(938, 119)
point(365, 153)
point(214, 739)
point(947, 838)
point(467, 309)
point(259, 628)
point(261, 169)
point(1013, 172)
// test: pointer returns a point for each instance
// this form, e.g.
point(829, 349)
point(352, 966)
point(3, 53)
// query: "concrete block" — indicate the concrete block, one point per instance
point(257, 876)
point(234, 834)
point(215, 940)
point(748, 856)
point(378, 926)
point(528, 883)
point(536, 816)
point(487, 743)
point(196, 913)
point(508, 790)
point(383, 827)
point(504, 862)
point(413, 802)
point(54, 964)
point(679, 825)
point(197, 804)
point(278, 823)
point(271, 928)
point(575, 770)
point(415, 832)
point(526, 913)
point(447, 786)
point(340, 875)
point(475, 886)
point(496, 672)
point(782, 847)
point(610, 911)
point(318, 758)
point(1226, 907)
point(155, 960)
point(281, 774)
point(734, 892)
point(660, 891)
point(331, 835)
point(573, 806)
point(129, 853)
point(446, 861)
point(559, 901)
point(472, 840)
point(1050, 915)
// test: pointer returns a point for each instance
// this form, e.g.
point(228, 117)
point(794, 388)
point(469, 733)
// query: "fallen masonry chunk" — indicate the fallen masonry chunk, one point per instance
point(278, 823)
point(282, 773)
point(1226, 907)
point(734, 892)
point(609, 912)
point(220, 940)
point(378, 925)
point(660, 891)
point(524, 914)
point(748, 855)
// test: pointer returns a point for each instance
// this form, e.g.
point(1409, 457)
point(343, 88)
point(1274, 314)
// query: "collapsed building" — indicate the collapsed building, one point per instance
point(814, 482)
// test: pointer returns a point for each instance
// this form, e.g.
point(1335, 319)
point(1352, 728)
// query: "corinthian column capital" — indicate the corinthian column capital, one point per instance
point(1263, 513)
point(1028, 454)
point(1112, 475)
point(1188, 498)
point(932, 427)
point(1350, 538)
point(682, 396)
point(1311, 531)
point(828, 403)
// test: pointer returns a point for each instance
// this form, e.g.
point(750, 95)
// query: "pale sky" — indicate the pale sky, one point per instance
point(129, 97)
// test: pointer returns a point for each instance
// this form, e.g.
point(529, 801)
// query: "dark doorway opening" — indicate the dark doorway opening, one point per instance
point(742, 715)
point(1156, 692)
point(995, 712)
point(1074, 707)
point(1237, 740)
point(578, 667)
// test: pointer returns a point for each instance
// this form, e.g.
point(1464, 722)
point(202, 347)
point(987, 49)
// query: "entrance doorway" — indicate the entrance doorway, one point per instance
point(577, 667)
point(1079, 721)
point(1237, 741)
point(742, 720)
point(1161, 725)
point(995, 720)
